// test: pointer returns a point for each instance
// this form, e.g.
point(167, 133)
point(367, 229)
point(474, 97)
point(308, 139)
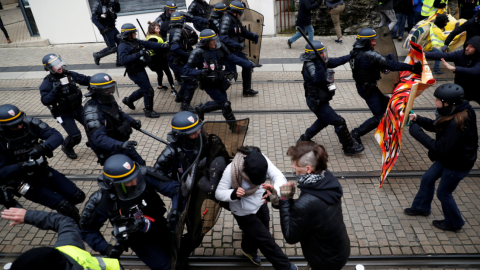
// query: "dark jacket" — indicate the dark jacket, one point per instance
point(315, 220)
point(454, 148)
point(110, 16)
point(385, 4)
point(472, 28)
point(466, 72)
point(403, 6)
point(305, 8)
point(331, 3)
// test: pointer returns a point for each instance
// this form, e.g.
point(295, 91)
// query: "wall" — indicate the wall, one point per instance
point(68, 22)
point(8, 2)
point(267, 8)
point(357, 15)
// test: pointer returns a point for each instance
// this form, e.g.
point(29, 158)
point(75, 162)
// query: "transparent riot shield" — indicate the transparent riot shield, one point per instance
point(253, 22)
point(385, 46)
point(202, 210)
point(227, 2)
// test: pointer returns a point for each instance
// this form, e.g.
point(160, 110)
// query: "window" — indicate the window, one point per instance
point(142, 6)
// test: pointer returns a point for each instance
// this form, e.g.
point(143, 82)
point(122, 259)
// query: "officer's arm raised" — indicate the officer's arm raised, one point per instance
point(80, 78)
point(52, 137)
point(48, 95)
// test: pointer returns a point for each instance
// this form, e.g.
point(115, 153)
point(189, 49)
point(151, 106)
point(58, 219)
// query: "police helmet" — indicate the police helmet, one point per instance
point(219, 9)
point(364, 36)
point(169, 6)
point(319, 47)
point(52, 62)
point(476, 11)
point(122, 175)
point(185, 123)
point(127, 29)
point(102, 86)
point(177, 19)
point(10, 115)
point(236, 7)
point(451, 93)
point(206, 36)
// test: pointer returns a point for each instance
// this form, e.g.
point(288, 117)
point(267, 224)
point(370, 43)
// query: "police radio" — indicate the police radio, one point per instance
point(330, 80)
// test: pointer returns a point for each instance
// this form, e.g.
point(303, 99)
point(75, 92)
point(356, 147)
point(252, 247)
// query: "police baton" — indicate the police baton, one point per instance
point(309, 42)
point(142, 29)
point(153, 136)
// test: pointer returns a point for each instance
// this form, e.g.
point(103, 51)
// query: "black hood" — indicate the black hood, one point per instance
point(475, 42)
point(328, 189)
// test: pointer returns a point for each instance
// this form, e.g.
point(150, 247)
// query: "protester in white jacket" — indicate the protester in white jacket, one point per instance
point(243, 185)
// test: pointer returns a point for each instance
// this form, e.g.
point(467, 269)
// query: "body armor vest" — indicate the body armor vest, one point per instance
point(315, 91)
point(117, 127)
point(164, 26)
point(138, 65)
point(237, 34)
point(178, 36)
point(70, 97)
point(362, 76)
point(198, 9)
point(215, 67)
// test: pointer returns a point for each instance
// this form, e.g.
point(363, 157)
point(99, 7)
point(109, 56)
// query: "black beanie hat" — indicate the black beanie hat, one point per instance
point(441, 17)
point(256, 167)
point(41, 258)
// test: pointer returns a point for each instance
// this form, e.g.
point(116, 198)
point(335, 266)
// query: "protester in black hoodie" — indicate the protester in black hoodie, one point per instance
point(466, 69)
point(472, 27)
point(453, 151)
point(315, 219)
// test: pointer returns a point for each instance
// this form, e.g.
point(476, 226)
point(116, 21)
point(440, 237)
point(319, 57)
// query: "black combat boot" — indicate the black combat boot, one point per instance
point(69, 152)
point(127, 101)
point(249, 93)
point(349, 146)
point(186, 107)
point(304, 138)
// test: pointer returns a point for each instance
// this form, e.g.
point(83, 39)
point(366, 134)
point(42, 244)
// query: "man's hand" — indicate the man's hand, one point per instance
point(37, 151)
point(114, 251)
point(136, 124)
point(444, 48)
point(287, 191)
point(447, 65)
point(28, 166)
point(56, 88)
point(172, 219)
point(240, 192)
point(413, 117)
point(103, 31)
point(257, 37)
point(417, 68)
point(128, 145)
point(17, 215)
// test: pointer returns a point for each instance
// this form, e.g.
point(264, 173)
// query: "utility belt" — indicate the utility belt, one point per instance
point(217, 78)
point(370, 88)
point(133, 70)
point(66, 104)
point(318, 95)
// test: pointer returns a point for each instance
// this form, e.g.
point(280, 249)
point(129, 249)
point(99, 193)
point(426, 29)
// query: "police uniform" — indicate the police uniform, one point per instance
point(367, 65)
point(128, 198)
point(233, 34)
point(319, 90)
point(24, 169)
point(64, 99)
point(108, 128)
point(212, 79)
point(133, 54)
point(218, 11)
point(180, 47)
point(104, 15)
point(164, 19)
point(199, 9)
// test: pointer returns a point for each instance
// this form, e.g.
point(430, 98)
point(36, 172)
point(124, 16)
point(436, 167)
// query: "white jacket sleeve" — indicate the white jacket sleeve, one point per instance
point(224, 188)
point(276, 175)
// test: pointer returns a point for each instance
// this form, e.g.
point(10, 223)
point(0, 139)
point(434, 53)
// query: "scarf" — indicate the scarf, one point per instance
point(307, 179)
point(238, 175)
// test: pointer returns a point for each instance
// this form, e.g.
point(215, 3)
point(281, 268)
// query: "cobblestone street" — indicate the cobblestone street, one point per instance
point(278, 116)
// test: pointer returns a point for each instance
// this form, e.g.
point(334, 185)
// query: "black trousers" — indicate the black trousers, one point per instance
point(162, 67)
point(3, 28)
point(256, 235)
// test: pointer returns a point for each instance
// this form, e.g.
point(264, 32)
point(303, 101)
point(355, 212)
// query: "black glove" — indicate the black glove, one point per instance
point(204, 72)
point(241, 46)
point(444, 48)
point(57, 88)
point(141, 53)
point(255, 65)
point(187, 15)
point(39, 151)
point(114, 251)
point(172, 219)
point(417, 68)
point(128, 145)
point(136, 124)
point(28, 166)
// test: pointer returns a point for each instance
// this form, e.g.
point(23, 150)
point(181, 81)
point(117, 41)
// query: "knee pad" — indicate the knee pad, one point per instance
point(150, 92)
point(340, 122)
point(76, 139)
point(78, 198)
point(227, 106)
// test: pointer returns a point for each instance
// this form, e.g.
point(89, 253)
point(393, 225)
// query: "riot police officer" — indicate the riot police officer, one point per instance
point(210, 57)
point(218, 11)
point(108, 128)
point(233, 34)
point(367, 65)
point(25, 144)
point(164, 19)
point(104, 15)
point(133, 54)
point(199, 9)
point(319, 89)
point(64, 99)
point(128, 198)
point(181, 41)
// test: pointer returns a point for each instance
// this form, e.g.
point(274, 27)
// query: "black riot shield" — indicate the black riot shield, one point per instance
point(202, 210)
point(253, 22)
point(385, 46)
point(227, 2)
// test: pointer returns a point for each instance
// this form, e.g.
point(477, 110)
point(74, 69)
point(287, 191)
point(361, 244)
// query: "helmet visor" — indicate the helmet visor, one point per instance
point(212, 42)
point(55, 64)
point(106, 94)
point(129, 190)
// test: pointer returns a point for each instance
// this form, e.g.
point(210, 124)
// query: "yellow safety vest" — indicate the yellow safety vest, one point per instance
point(87, 261)
point(428, 9)
point(434, 39)
point(159, 39)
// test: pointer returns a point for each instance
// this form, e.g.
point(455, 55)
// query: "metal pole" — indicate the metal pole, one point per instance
point(141, 28)
point(309, 42)
point(153, 136)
